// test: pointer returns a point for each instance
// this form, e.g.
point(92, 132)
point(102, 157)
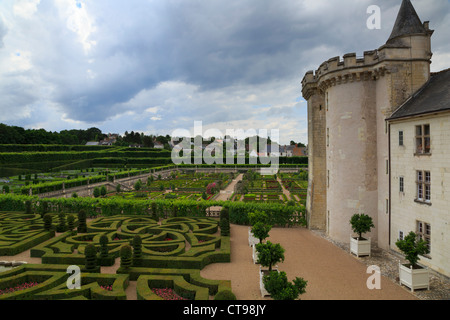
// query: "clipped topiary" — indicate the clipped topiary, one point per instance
point(125, 257)
point(70, 222)
point(104, 251)
point(224, 222)
point(28, 207)
point(90, 253)
point(47, 222)
point(82, 227)
point(361, 223)
point(279, 288)
point(137, 249)
point(269, 254)
point(225, 295)
point(62, 227)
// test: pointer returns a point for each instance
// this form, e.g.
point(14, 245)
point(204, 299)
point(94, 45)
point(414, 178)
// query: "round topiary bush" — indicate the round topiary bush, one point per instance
point(225, 295)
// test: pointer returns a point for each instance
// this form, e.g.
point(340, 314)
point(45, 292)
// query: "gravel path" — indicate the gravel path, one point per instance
point(332, 273)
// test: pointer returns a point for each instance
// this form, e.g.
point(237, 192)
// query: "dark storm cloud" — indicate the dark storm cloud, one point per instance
point(214, 46)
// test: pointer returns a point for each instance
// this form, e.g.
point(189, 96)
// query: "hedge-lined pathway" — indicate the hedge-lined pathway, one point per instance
point(332, 273)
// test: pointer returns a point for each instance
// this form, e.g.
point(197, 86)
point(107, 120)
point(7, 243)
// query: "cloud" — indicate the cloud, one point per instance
point(161, 65)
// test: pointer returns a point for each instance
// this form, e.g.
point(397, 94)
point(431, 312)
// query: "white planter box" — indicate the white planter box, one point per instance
point(360, 247)
point(255, 255)
point(264, 292)
point(251, 238)
point(414, 278)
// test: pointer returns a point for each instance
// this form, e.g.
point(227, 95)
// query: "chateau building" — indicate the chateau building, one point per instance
point(379, 142)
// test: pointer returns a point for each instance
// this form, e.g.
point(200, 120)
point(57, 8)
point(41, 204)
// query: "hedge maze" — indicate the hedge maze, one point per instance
point(164, 254)
point(20, 232)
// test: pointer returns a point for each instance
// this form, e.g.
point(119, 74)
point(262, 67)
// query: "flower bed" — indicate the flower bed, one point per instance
point(167, 294)
point(19, 287)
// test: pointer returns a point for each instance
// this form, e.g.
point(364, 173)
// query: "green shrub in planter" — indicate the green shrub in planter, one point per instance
point(261, 231)
point(96, 192)
point(361, 223)
point(412, 247)
point(225, 295)
point(279, 288)
point(269, 254)
point(103, 191)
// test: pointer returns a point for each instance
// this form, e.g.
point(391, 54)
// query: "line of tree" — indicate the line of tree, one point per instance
point(19, 135)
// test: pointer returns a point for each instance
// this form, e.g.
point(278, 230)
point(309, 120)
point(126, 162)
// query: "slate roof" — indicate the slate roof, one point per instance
point(408, 22)
point(433, 97)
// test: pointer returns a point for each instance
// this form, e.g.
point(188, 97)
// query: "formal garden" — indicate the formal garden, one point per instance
point(161, 241)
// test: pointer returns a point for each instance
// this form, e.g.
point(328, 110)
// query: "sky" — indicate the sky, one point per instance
point(158, 66)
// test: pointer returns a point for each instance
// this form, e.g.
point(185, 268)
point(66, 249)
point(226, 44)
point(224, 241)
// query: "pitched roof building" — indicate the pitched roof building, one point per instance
point(378, 131)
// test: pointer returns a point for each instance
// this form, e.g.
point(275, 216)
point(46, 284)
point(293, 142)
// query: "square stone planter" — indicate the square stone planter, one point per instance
point(414, 278)
point(360, 247)
point(262, 272)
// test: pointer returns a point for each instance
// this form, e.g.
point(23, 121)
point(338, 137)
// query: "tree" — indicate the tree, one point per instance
point(361, 223)
point(279, 288)
point(412, 247)
point(269, 254)
point(261, 231)
point(96, 192)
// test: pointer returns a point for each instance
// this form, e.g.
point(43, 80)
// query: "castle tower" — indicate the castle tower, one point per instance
point(348, 102)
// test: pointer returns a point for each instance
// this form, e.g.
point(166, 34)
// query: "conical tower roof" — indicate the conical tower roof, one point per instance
point(407, 23)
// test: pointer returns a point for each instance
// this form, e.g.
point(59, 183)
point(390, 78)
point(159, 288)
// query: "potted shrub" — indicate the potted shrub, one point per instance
point(268, 255)
point(279, 288)
point(254, 218)
point(411, 274)
point(361, 223)
point(260, 231)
